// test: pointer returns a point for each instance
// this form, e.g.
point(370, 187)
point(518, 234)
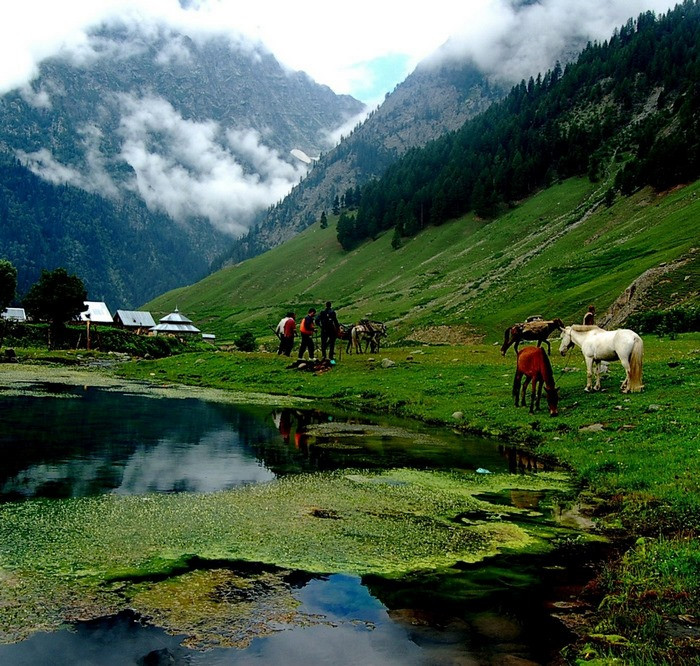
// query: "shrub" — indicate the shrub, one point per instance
point(246, 342)
point(681, 319)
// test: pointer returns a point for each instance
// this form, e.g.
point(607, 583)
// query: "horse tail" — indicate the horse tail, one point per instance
point(635, 381)
point(506, 342)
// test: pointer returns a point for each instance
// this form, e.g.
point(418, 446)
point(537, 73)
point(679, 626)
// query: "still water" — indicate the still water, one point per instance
point(63, 441)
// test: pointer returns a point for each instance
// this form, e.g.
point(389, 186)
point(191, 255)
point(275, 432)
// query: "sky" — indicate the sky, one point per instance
point(190, 168)
point(364, 48)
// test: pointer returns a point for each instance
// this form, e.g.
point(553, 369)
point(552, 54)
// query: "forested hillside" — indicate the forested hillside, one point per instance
point(122, 251)
point(433, 100)
point(629, 106)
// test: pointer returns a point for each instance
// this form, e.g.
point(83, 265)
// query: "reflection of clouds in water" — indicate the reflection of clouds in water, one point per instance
point(216, 462)
point(355, 629)
point(77, 476)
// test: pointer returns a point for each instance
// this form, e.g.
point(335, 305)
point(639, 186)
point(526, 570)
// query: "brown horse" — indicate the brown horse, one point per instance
point(534, 364)
point(531, 330)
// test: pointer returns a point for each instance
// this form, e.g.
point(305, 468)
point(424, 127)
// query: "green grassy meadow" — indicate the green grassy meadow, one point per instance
point(552, 255)
point(633, 457)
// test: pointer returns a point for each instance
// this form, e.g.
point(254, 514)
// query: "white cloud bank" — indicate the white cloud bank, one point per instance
point(199, 169)
point(191, 168)
point(334, 43)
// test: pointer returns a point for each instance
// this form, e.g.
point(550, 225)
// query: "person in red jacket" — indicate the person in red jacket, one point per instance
point(307, 329)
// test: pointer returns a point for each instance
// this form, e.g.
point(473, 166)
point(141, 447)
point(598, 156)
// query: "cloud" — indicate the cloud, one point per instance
point(95, 178)
point(511, 41)
point(199, 169)
point(330, 42)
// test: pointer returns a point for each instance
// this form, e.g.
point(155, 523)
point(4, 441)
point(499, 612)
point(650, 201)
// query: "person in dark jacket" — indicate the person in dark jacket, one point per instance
point(589, 317)
point(328, 321)
point(307, 329)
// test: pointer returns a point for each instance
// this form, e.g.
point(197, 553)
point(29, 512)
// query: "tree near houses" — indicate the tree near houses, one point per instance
point(57, 298)
point(8, 283)
point(8, 286)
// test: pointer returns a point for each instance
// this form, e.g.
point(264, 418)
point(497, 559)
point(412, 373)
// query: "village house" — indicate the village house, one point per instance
point(137, 321)
point(14, 314)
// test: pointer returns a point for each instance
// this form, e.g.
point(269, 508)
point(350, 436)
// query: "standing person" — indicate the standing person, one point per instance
point(288, 333)
point(279, 332)
point(307, 329)
point(589, 317)
point(328, 321)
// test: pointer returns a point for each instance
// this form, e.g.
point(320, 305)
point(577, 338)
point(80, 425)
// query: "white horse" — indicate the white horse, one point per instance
point(599, 345)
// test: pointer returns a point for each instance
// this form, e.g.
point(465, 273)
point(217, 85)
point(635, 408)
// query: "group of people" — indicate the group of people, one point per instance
point(326, 321)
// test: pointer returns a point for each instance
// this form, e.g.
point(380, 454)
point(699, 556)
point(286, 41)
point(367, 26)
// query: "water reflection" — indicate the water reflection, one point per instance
point(90, 441)
point(489, 616)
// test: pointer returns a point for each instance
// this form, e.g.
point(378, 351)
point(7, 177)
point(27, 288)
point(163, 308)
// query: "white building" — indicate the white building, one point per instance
point(176, 324)
point(14, 314)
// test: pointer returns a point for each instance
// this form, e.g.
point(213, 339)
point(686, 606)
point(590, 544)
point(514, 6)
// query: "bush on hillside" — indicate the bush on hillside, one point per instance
point(682, 319)
point(245, 342)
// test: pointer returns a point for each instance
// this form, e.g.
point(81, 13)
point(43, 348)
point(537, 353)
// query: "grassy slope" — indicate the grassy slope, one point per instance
point(551, 255)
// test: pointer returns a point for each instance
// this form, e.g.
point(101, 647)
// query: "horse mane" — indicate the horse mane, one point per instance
point(582, 328)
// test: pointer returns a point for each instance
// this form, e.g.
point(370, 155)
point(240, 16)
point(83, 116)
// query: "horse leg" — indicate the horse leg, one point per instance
point(540, 384)
point(597, 379)
point(549, 347)
point(625, 386)
point(516, 387)
point(524, 390)
point(589, 374)
point(535, 395)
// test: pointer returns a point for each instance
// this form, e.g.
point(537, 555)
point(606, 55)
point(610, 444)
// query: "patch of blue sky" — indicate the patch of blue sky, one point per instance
point(381, 75)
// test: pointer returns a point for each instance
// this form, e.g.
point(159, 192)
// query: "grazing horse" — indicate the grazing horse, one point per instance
point(535, 365)
point(599, 345)
point(370, 332)
point(538, 329)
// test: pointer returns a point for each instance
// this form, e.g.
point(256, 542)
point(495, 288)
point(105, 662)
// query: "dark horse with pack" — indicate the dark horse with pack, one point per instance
point(535, 328)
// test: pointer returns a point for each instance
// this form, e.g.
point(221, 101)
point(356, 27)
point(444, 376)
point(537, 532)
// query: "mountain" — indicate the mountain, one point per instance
point(179, 136)
point(446, 90)
point(604, 158)
point(433, 100)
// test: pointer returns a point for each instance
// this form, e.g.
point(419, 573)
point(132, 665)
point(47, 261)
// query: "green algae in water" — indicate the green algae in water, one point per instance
point(80, 558)
point(220, 607)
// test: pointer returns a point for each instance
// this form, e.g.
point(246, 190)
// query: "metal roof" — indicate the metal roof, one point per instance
point(16, 314)
point(175, 328)
point(97, 312)
point(135, 318)
point(175, 322)
point(175, 318)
